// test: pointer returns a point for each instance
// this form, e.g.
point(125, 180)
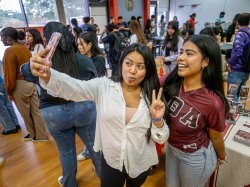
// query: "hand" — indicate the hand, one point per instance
point(10, 98)
point(157, 108)
point(39, 66)
point(228, 68)
point(150, 45)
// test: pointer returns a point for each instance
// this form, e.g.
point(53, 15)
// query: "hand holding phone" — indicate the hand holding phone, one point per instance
point(53, 42)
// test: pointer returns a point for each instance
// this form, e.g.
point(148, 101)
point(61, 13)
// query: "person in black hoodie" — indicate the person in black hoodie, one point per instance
point(66, 118)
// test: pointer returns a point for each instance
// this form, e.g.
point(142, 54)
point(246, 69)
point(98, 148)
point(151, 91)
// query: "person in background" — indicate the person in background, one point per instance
point(130, 110)
point(21, 38)
point(219, 21)
point(176, 20)
point(8, 117)
point(150, 29)
point(218, 34)
point(76, 32)
point(34, 40)
point(69, 27)
point(184, 31)
point(198, 108)
point(74, 23)
point(139, 19)
point(23, 93)
point(191, 24)
point(231, 29)
point(131, 18)
point(184, 34)
point(110, 39)
point(92, 22)
point(208, 31)
point(112, 20)
point(162, 25)
point(88, 45)
point(153, 26)
point(65, 118)
point(87, 26)
point(138, 35)
point(171, 46)
point(237, 73)
point(123, 27)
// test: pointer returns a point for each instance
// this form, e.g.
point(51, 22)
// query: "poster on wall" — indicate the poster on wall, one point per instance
point(129, 5)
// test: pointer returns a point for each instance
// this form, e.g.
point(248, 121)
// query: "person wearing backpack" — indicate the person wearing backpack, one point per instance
point(238, 74)
point(115, 39)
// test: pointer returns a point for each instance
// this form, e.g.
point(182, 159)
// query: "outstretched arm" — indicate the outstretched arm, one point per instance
point(61, 85)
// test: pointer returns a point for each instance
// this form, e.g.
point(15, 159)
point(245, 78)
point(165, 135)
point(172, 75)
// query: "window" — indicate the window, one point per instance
point(11, 14)
point(40, 12)
point(76, 9)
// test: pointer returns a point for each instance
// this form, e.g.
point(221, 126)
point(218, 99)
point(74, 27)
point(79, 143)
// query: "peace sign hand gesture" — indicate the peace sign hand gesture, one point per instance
point(157, 108)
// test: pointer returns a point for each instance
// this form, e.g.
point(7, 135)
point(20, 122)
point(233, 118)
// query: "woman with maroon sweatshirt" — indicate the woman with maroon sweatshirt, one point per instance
point(195, 95)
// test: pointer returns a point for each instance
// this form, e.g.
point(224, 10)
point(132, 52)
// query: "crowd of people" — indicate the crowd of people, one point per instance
point(146, 102)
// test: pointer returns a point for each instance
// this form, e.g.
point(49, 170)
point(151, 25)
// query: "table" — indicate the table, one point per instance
point(226, 46)
point(235, 173)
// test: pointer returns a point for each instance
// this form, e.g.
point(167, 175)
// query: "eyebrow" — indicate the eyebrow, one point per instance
point(189, 50)
point(133, 61)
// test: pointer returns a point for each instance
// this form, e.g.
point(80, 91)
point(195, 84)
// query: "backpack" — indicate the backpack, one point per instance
point(120, 44)
point(246, 55)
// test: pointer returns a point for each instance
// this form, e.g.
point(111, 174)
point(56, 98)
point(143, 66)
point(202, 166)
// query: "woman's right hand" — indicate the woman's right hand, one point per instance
point(39, 66)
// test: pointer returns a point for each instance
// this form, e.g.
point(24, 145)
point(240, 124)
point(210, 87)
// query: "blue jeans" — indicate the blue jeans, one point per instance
point(63, 121)
point(8, 116)
point(238, 78)
point(189, 169)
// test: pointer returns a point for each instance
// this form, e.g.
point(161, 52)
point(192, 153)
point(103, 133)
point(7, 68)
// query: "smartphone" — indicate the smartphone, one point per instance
point(53, 42)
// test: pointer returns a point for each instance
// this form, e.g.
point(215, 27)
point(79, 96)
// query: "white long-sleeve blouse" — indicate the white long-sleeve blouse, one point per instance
point(121, 144)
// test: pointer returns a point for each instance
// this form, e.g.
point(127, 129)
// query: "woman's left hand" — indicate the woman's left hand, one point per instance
point(157, 107)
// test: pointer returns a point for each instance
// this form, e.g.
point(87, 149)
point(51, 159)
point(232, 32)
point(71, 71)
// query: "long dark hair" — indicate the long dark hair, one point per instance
point(175, 38)
point(37, 38)
point(212, 74)
point(151, 81)
point(63, 59)
point(90, 37)
point(208, 31)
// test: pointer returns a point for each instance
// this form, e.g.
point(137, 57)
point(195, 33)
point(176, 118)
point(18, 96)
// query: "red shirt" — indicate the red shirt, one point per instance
point(191, 114)
point(192, 21)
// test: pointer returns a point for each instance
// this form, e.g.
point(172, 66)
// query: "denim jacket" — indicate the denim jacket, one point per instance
point(241, 39)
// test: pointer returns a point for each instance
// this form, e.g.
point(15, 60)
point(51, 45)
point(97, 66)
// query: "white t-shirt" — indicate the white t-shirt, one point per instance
point(37, 48)
point(121, 144)
point(133, 39)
